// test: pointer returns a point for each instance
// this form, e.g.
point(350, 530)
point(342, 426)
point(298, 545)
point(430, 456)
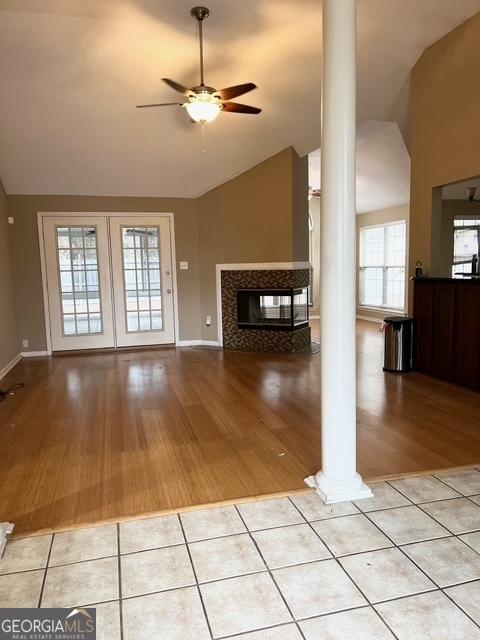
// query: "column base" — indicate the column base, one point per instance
point(332, 491)
point(6, 529)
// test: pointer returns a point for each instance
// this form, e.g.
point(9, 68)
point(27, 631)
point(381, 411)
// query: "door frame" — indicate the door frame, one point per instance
point(41, 242)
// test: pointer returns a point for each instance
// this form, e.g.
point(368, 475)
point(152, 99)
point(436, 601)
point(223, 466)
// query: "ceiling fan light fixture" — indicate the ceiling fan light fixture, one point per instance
point(204, 107)
point(204, 103)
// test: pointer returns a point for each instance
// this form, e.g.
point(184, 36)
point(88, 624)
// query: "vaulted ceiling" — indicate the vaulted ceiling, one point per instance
point(71, 72)
point(383, 167)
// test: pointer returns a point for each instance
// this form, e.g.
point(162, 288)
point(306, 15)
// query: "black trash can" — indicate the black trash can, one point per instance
point(398, 344)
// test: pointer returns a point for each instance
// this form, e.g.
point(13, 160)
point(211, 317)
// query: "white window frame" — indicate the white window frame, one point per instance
point(464, 218)
point(384, 267)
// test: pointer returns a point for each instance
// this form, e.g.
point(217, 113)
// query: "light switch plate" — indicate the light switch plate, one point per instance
point(10, 220)
point(183, 265)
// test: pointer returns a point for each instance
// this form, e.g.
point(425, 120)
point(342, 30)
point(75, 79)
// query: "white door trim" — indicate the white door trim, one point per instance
point(43, 214)
point(247, 266)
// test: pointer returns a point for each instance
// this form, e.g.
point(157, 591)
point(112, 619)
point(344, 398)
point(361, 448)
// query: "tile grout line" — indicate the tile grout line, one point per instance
point(369, 516)
point(242, 633)
point(399, 547)
point(459, 497)
point(369, 604)
point(120, 599)
point(45, 572)
point(439, 478)
point(271, 574)
point(460, 533)
point(395, 546)
point(439, 588)
point(195, 577)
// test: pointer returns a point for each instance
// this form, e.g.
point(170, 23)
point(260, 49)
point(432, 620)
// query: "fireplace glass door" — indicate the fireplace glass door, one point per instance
point(275, 309)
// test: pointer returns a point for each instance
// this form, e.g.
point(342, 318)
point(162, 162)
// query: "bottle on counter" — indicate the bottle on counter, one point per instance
point(475, 264)
point(418, 269)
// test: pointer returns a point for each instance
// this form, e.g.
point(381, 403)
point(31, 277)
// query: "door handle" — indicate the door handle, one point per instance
point(169, 291)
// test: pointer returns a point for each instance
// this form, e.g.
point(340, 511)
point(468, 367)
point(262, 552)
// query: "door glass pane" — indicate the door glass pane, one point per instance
point(78, 278)
point(142, 279)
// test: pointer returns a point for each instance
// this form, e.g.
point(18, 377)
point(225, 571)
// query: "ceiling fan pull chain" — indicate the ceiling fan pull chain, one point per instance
point(204, 144)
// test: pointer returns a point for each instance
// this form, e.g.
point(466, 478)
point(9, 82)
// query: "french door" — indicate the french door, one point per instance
point(142, 282)
point(109, 281)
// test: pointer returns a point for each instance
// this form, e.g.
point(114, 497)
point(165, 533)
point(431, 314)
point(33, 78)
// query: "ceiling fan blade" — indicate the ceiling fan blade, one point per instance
point(236, 107)
point(160, 104)
point(237, 90)
point(177, 86)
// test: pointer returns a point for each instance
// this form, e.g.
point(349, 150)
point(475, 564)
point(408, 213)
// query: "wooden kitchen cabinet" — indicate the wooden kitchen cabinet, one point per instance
point(447, 329)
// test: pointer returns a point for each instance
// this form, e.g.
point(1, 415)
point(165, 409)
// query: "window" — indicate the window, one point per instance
point(382, 266)
point(466, 243)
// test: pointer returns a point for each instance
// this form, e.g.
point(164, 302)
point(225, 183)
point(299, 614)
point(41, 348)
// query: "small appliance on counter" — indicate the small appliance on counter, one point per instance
point(475, 265)
point(418, 269)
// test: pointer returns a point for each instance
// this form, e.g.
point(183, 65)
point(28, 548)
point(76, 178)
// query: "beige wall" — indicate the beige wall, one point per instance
point(9, 345)
point(299, 207)
point(259, 216)
point(382, 216)
point(26, 254)
point(445, 107)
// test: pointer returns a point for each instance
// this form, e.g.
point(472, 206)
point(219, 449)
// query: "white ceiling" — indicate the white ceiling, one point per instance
point(458, 191)
point(383, 167)
point(71, 72)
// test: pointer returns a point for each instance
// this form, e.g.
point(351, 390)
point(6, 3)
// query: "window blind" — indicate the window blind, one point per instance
point(382, 266)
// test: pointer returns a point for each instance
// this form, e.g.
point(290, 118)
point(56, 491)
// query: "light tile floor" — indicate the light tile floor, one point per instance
point(404, 564)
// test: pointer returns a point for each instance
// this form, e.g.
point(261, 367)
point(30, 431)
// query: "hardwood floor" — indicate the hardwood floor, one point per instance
point(111, 435)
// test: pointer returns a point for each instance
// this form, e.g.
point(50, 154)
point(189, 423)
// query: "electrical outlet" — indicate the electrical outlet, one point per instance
point(208, 321)
point(183, 265)
point(25, 344)
point(11, 220)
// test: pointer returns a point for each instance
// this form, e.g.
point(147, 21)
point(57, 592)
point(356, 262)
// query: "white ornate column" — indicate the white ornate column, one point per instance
point(338, 479)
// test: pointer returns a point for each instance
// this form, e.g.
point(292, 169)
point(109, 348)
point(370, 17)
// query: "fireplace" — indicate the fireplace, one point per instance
point(272, 309)
point(265, 310)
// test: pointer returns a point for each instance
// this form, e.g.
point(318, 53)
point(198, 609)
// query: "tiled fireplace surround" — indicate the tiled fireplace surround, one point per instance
point(260, 340)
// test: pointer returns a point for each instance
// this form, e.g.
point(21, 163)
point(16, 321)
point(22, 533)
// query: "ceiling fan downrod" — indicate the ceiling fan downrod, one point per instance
point(200, 13)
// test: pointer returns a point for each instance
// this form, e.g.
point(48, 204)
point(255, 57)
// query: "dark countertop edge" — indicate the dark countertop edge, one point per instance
point(440, 279)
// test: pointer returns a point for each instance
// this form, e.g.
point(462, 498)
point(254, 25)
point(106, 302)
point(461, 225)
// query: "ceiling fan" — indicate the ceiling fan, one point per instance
point(204, 103)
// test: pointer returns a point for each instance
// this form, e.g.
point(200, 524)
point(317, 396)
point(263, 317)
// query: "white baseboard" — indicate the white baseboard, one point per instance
point(196, 343)
point(10, 365)
point(34, 354)
point(370, 319)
